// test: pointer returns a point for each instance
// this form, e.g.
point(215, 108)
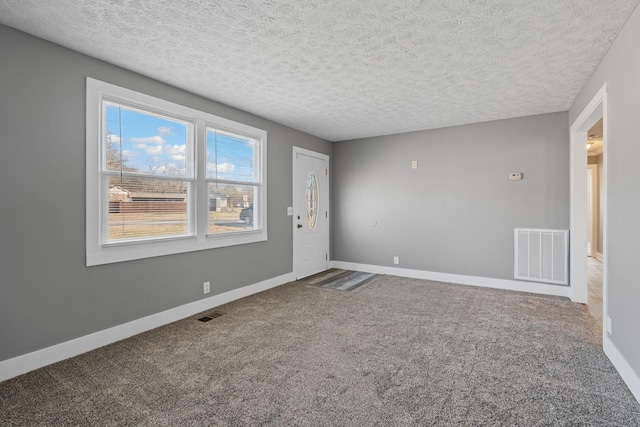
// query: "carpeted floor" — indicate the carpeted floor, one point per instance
point(395, 352)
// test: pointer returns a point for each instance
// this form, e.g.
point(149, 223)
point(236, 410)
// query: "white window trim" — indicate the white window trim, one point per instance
point(96, 252)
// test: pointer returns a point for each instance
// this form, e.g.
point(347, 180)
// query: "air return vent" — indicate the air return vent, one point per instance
point(211, 316)
point(541, 255)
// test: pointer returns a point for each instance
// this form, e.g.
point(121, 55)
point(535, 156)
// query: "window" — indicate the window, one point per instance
point(231, 179)
point(311, 200)
point(163, 178)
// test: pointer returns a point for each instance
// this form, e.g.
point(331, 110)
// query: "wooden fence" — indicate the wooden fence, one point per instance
point(155, 206)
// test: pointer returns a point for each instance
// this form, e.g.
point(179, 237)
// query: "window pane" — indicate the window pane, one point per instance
point(311, 200)
point(230, 157)
point(143, 142)
point(142, 208)
point(231, 208)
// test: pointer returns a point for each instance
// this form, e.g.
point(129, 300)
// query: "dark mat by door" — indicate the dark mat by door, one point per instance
point(340, 280)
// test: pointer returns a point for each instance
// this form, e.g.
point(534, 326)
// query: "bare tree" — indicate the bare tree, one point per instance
point(115, 160)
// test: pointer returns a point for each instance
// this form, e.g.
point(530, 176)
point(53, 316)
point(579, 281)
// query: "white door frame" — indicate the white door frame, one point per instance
point(595, 110)
point(325, 197)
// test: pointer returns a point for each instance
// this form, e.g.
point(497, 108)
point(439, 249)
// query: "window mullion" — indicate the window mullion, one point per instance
point(232, 182)
point(146, 176)
point(202, 200)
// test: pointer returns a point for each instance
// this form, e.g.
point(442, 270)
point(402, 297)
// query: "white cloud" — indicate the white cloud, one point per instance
point(154, 150)
point(157, 139)
point(223, 167)
point(176, 152)
point(226, 167)
point(150, 149)
point(164, 130)
point(113, 138)
point(176, 149)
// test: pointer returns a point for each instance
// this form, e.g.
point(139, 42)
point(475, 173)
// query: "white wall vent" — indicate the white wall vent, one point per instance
point(541, 255)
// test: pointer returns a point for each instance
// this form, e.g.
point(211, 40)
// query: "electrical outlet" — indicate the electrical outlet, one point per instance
point(609, 325)
point(414, 164)
point(206, 287)
point(396, 260)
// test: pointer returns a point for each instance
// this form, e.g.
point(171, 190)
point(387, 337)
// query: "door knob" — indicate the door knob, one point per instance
point(299, 225)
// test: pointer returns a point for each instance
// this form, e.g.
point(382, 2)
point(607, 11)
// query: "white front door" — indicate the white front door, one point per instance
point(310, 212)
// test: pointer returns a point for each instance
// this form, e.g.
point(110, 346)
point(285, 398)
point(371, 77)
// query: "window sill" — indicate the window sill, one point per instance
point(113, 253)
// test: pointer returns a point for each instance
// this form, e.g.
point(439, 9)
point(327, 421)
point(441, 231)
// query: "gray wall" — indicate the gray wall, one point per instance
point(47, 294)
point(620, 69)
point(457, 211)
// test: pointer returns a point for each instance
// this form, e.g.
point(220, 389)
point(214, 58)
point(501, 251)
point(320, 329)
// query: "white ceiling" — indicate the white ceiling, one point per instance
point(344, 69)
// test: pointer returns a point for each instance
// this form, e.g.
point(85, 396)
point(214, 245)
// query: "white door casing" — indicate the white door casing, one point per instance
point(310, 212)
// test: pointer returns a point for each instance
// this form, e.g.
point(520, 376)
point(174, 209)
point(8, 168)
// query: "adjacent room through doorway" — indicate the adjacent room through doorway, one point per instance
point(595, 246)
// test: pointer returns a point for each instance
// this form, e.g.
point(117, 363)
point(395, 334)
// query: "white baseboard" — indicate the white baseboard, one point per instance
point(625, 370)
point(28, 362)
point(485, 282)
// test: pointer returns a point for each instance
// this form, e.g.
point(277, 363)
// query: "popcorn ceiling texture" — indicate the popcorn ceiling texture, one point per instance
point(347, 69)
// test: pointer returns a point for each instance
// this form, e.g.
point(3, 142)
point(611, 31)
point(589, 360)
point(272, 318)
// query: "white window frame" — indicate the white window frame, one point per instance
point(98, 253)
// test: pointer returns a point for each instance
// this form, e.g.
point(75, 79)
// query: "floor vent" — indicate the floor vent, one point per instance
point(210, 316)
point(541, 255)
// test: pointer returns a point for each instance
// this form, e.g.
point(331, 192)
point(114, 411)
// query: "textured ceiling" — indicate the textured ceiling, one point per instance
point(347, 69)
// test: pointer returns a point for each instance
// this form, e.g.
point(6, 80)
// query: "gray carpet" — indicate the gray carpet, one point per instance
point(397, 352)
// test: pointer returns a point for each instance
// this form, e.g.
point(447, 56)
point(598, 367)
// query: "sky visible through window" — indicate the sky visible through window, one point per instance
point(152, 144)
point(230, 157)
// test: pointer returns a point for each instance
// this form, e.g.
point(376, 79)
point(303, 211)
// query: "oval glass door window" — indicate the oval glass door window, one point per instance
point(311, 200)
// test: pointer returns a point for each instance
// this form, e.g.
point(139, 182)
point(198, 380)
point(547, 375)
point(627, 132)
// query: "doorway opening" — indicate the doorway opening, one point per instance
point(589, 207)
point(595, 247)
